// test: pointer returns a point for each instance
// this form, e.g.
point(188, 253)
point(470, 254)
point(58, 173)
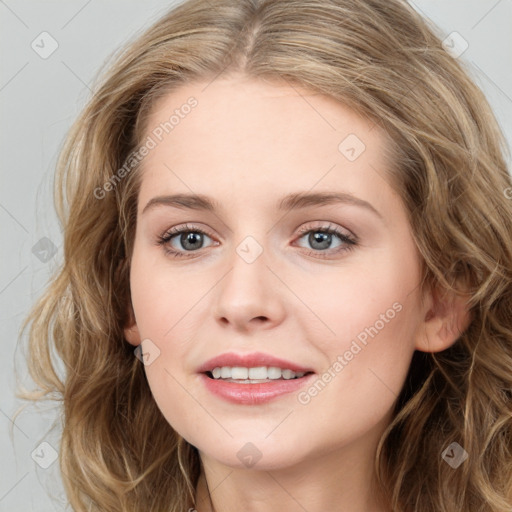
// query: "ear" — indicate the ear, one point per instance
point(131, 331)
point(446, 317)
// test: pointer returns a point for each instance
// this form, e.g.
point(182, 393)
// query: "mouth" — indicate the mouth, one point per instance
point(254, 375)
point(252, 379)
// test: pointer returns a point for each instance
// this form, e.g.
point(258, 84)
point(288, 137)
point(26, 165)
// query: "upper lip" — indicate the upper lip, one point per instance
point(251, 360)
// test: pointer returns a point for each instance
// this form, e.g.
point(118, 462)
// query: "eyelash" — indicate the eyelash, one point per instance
point(350, 242)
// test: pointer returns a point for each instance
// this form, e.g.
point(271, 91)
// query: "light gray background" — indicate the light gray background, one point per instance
point(39, 99)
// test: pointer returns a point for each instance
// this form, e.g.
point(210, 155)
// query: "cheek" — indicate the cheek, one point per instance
point(162, 298)
point(366, 334)
point(171, 393)
point(164, 308)
point(366, 365)
point(373, 300)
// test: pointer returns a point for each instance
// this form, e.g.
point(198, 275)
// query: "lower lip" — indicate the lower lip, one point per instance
point(253, 394)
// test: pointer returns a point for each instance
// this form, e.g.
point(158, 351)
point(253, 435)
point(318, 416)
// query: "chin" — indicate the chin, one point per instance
point(254, 453)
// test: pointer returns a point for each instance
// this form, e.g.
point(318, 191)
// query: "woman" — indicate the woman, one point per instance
point(295, 215)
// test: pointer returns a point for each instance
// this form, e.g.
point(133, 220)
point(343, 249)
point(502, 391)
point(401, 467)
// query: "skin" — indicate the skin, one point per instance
point(247, 144)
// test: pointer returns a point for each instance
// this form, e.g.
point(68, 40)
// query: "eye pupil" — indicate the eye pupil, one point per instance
point(191, 238)
point(324, 239)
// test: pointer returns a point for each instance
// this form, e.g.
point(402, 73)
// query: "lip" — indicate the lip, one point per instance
point(251, 360)
point(252, 394)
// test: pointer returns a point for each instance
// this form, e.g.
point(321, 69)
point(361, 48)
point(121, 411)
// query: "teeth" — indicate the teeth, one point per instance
point(255, 373)
point(288, 374)
point(238, 372)
point(260, 372)
point(273, 372)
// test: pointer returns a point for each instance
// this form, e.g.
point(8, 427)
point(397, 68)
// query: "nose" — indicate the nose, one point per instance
point(250, 296)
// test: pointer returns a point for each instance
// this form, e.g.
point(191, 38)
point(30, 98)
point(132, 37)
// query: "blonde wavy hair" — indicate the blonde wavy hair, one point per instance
point(118, 453)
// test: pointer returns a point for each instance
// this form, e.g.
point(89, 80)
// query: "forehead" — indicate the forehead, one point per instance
point(243, 133)
point(241, 102)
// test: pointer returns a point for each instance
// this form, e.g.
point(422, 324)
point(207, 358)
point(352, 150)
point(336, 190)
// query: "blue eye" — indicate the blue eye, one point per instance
point(321, 238)
point(188, 236)
point(191, 239)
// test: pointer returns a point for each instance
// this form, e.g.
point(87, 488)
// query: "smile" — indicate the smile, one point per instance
point(252, 378)
point(253, 375)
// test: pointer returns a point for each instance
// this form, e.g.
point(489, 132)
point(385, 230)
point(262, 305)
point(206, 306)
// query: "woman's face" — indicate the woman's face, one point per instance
point(267, 279)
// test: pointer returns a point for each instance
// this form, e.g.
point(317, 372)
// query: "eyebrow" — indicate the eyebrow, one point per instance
point(292, 201)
